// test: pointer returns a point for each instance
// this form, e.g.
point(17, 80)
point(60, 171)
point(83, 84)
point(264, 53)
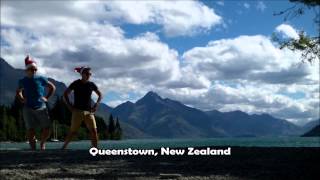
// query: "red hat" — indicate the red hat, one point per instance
point(81, 69)
point(29, 62)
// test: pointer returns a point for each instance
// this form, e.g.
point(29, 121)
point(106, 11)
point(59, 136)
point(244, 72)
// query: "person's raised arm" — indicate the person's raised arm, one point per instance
point(66, 98)
point(19, 95)
point(95, 106)
point(51, 89)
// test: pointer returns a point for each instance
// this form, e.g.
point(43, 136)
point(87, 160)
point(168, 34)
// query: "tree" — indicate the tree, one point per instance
point(60, 112)
point(102, 127)
point(118, 124)
point(3, 123)
point(111, 127)
point(12, 125)
point(118, 130)
point(308, 45)
point(8, 128)
point(16, 113)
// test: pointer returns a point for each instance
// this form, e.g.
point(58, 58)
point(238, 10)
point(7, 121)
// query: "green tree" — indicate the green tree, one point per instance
point(308, 45)
point(101, 127)
point(118, 130)
point(111, 127)
point(16, 112)
point(3, 123)
point(60, 112)
point(11, 129)
point(12, 125)
point(8, 131)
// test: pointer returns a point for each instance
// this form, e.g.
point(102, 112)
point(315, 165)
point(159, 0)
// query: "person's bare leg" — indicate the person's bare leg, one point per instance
point(32, 139)
point(94, 137)
point(45, 133)
point(68, 139)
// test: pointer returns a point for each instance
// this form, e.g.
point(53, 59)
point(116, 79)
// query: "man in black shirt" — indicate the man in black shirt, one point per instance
point(81, 108)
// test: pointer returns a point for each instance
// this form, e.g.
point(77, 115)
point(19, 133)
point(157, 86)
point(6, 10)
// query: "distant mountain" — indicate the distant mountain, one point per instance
point(165, 118)
point(10, 76)
point(8, 82)
point(155, 117)
point(238, 123)
point(313, 132)
point(308, 126)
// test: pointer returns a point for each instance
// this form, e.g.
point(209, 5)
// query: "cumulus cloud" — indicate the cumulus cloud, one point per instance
point(253, 58)
point(59, 41)
point(261, 6)
point(287, 30)
point(250, 73)
point(252, 98)
point(175, 17)
point(246, 5)
point(246, 73)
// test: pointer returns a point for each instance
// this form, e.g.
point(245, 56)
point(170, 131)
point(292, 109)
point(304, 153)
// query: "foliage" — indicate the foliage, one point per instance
point(114, 130)
point(307, 45)
point(12, 125)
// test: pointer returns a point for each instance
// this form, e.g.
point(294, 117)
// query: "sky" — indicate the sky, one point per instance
point(205, 54)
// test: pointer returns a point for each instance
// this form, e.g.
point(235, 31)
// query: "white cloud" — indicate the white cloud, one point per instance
point(221, 3)
point(176, 17)
point(261, 6)
point(59, 42)
point(288, 31)
point(247, 72)
point(246, 5)
point(250, 73)
point(115, 103)
point(252, 98)
point(251, 58)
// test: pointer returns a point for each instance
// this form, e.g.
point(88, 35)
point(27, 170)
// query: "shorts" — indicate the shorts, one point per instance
point(78, 116)
point(34, 118)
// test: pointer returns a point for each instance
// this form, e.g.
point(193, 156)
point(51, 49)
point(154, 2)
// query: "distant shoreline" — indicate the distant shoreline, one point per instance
point(158, 143)
point(244, 163)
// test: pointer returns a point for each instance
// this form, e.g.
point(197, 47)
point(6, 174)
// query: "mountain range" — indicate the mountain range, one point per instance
point(155, 117)
point(315, 131)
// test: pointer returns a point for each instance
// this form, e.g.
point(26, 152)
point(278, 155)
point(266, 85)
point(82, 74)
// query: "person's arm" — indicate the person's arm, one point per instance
point(51, 90)
point(95, 106)
point(20, 95)
point(66, 98)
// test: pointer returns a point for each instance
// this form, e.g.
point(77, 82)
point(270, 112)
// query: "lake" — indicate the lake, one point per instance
point(158, 143)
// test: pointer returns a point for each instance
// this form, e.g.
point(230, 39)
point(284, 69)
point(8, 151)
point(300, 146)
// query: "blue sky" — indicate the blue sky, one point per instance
point(238, 21)
point(205, 54)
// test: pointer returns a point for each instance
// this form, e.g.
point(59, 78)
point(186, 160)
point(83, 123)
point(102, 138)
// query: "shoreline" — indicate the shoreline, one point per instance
point(243, 163)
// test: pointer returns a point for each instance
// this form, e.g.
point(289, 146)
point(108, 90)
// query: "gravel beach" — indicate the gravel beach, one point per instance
point(243, 163)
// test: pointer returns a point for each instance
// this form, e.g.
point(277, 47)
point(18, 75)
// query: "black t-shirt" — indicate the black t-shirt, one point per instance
point(82, 94)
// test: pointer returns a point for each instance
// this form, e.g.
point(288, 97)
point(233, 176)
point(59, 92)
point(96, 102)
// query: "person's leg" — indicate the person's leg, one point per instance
point(92, 127)
point(45, 122)
point(94, 137)
point(75, 125)
point(32, 138)
point(45, 133)
point(30, 126)
point(69, 137)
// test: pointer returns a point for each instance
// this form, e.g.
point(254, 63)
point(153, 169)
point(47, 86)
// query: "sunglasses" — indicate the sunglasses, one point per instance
point(87, 73)
point(32, 69)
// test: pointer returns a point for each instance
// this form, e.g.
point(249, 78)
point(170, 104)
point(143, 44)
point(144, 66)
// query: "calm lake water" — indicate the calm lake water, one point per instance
point(158, 143)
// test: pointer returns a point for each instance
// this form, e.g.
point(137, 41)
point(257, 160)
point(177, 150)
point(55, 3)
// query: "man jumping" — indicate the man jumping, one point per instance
point(31, 92)
point(81, 108)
